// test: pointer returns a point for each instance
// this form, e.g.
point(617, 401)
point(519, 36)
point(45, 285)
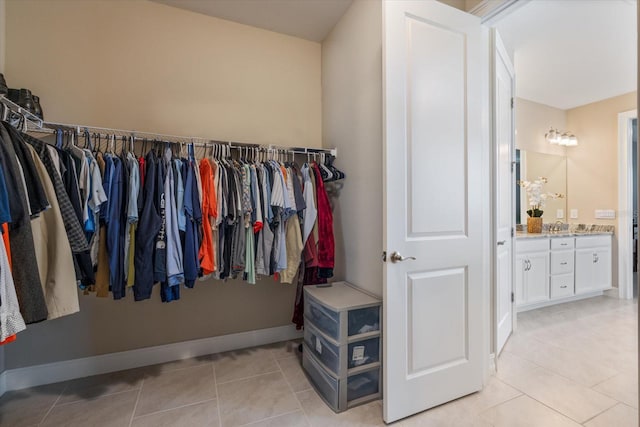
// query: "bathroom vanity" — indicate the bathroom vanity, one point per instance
point(554, 268)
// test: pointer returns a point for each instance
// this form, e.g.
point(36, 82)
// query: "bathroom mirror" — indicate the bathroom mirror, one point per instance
point(531, 165)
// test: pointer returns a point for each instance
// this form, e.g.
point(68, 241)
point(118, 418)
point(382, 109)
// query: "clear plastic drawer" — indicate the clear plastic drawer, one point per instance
point(363, 320)
point(325, 384)
point(326, 320)
point(327, 353)
point(365, 352)
point(362, 385)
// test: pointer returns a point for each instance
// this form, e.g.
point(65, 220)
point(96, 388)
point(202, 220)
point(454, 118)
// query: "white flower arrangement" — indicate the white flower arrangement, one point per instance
point(536, 197)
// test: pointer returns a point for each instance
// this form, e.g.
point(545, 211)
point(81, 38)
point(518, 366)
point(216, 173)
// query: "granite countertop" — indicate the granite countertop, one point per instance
point(568, 230)
point(545, 234)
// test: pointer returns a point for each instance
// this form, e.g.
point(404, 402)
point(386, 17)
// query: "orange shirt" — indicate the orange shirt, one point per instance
point(209, 210)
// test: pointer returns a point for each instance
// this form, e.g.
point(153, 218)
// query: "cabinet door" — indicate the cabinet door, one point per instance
point(537, 277)
point(585, 281)
point(520, 272)
point(602, 268)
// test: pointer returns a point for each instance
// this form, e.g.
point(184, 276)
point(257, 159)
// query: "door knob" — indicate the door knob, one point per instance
point(396, 257)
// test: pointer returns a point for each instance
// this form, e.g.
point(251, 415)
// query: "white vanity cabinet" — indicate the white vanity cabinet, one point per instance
point(557, 269)
point(593, 263)
point(532, 271)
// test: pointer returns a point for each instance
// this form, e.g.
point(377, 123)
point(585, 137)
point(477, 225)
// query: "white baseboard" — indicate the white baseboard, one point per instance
point(30, 376)
point(558, 301)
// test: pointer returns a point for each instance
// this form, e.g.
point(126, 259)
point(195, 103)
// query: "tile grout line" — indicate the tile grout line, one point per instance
point(482, 414)
point(562, 413)
point(295, 394)
point(135, 407)
point(96, 397)
point(602, 412)
point(177, 407)
point(272, 418)
point(250, 377)
point(553, 372)
point(54, 404)
point(604, 381)
point(218, 400)
point(503, 402)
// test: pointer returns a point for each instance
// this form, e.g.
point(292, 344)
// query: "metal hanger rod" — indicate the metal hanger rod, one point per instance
point(40, 125)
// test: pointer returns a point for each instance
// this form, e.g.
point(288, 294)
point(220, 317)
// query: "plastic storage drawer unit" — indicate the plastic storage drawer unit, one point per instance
point(342, 344)
point(341, 310)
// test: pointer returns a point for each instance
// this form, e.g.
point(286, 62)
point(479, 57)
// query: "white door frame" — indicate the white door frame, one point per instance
point(625, 205)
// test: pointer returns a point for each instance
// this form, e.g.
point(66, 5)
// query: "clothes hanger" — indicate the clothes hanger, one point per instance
point(338, 174)
point(5, 112)
point(87, 140)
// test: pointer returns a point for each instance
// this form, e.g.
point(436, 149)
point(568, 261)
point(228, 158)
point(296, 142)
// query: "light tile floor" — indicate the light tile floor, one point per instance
point(567, 365)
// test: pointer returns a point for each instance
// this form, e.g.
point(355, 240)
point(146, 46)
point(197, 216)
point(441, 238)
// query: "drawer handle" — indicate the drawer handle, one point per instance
point(563, 263)
point(563, 286)
point(563, 244)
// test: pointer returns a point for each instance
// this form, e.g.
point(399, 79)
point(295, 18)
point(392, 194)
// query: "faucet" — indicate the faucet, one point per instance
point(556, 227)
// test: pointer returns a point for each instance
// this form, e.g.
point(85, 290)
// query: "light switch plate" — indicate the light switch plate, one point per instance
point(574, 213)
point(560, 214)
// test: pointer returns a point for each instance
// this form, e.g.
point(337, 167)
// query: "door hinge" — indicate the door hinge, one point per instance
point(512, 232)
point(511, 102)
point(384, 256)
point(513, 297)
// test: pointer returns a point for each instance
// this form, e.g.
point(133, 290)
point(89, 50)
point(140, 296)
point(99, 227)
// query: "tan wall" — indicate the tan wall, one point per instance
point(352, 121)
point(146, 66)
point(3, 35)
point(458, 4)
point(142, 65)
point(533, 120)
point(593, 164)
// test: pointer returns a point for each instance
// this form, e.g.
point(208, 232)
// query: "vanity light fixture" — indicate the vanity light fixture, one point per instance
point(566, 138)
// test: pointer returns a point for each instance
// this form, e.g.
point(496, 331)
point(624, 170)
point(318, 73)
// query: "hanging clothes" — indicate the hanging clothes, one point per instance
point(53, 252)
point(26, 280)
point(326, 244)
point(194, 221)
point(149, 225)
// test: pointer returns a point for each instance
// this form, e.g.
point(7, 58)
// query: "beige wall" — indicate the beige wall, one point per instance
point(3, 33)
point(146, 66)
point(142, 65)
point(533, 120)
point(593, 164)
point(458, 4)
point(352, 121)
